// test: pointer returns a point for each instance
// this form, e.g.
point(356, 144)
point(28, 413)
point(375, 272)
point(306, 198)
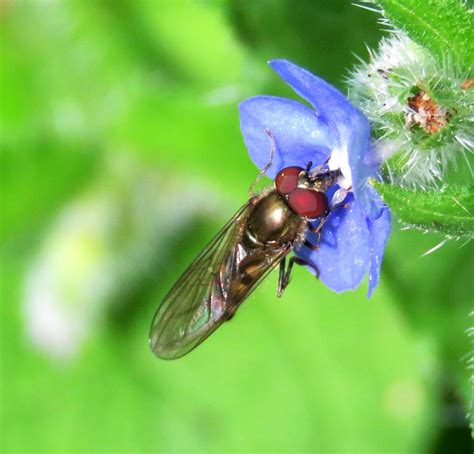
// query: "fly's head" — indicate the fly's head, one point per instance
point(305, 191)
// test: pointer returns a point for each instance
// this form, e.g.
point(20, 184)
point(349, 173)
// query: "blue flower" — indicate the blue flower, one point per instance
point(337, 135)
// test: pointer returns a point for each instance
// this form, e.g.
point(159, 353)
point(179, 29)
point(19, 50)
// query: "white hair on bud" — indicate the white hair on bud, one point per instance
point(419, 153)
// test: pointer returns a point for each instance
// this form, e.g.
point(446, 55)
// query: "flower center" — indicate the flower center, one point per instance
point(426, 113)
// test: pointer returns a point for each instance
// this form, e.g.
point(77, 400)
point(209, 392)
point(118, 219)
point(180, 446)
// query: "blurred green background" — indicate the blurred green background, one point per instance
point(121, 156)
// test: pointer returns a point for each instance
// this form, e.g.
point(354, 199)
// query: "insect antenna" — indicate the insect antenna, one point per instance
point(269, 164)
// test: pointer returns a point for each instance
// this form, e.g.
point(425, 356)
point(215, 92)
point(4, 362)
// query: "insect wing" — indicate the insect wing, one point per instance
point(188, 314)
point(204, 296)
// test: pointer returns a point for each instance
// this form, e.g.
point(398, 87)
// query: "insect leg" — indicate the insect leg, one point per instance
point(302, 262)
point(313, 247)
point(284, 278)
point(263, 171)
point(316, 230)
point(281, 277)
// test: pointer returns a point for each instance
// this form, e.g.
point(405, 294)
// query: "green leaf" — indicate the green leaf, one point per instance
point(449, 210)
point(442, 26)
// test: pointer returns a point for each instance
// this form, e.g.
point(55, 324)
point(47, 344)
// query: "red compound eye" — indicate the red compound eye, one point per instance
point(307, 203)
point(287, 179)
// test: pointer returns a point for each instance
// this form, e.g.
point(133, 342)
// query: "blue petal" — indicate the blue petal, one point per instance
point(349, 126)
point(358, 152)
point(330, 103)
point(299, 134)
point(379, 229)
point(344, 254)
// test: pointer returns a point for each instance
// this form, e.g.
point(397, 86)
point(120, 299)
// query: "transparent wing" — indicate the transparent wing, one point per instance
point(210, 290)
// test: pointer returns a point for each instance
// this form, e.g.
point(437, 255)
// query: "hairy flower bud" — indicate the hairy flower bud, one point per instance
point(421, 111)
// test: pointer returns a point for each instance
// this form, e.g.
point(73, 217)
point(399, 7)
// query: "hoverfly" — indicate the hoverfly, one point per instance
point(255, 241)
